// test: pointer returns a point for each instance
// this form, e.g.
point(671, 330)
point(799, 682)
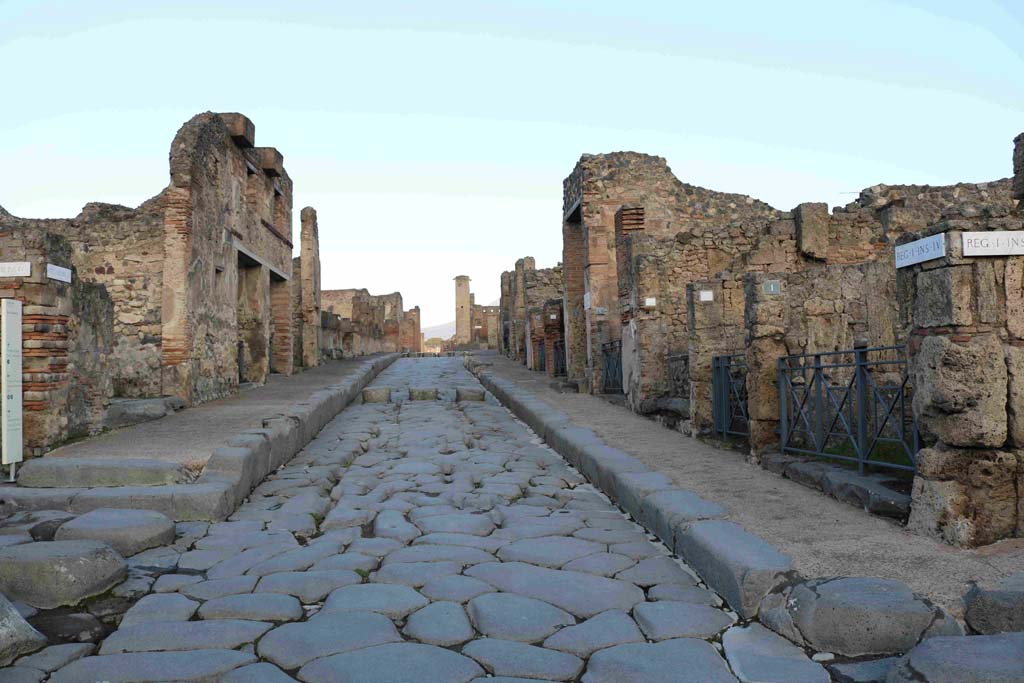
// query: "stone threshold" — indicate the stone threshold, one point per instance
point(231, 472)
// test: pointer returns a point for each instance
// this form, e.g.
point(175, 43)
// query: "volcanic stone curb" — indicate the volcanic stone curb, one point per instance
point(231, 472)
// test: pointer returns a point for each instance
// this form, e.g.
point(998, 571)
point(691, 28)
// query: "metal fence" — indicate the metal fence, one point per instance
point(679, 375)
point(729, 395)
point(852, 405)
point(611, 367)
point(559, 350)
point(542, 359)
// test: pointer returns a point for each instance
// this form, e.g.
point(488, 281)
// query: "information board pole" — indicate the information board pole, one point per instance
point(10, 383)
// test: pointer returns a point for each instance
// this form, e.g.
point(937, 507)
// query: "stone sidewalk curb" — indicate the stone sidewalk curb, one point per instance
point(231, 472)
point(739, 565)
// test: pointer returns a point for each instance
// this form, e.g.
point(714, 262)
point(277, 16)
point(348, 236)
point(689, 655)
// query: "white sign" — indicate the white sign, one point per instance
point(554, 316)
point(772, 287)
point(650, 302)
point(10, 381)
point(924, 249)
point(58, 273)
point(15, 269)
point(586, 301)
point(707, 295)
point(1000, 243)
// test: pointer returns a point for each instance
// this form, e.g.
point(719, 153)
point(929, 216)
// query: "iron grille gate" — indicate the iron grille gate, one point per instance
point(560, 359)
point(679, 375)
point(852, 405)
point(611, 367)
point(729, 395)
point(542, 359)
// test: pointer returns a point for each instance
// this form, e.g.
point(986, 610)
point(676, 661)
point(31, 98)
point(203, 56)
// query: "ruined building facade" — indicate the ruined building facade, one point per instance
point(369, 323)
point(526, 295)
point(476, 326)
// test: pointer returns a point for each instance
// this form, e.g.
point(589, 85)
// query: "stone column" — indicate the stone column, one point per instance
point(764, 316)
point(965, 316)
point(715, 310)
point(309, 284)
point(463, 310)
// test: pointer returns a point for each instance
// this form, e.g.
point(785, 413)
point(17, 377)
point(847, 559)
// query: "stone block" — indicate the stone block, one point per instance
point(1015, 395)
point(974, 659)
point(1018, 167)
point(123, 412)
point(739, 565)
point(870, 671)
point(808, 473)
point(998, 608)
point(960, 391)
point(195, 665)
point(943, 297)
point(240, 127)
point(422, 393)
point(270, 160)
point(630, 488)
point(866, 492)
point(90, 472)
point(812, 229)
point(58, 573)
point(377, 395)
point(126, 531)
point(16, 636)
point(667, 513)
point(756, 654)
point(469, 394)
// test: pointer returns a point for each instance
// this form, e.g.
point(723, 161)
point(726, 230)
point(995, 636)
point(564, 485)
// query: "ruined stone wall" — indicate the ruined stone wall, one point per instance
point(365, 326)
point(965, 319)
point(331, 337)
point(715, 327)
point(411, 338)
point(67, 339)
point(505, 314)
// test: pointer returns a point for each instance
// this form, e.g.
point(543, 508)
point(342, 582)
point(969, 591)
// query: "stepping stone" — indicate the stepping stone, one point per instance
point(392, 600)
point(680, 593)
point(160, 607)
point(308, 586)
point(393, 663)
point(440, 623)
point(439, 553)
point(475, 525)
point(293, 645)
point(377, 395)
point(514, 617)
point(218, 588)
point(510, 658)
point(56, 656)
point(667, 619)
point(57, 573)
point(127, 531)
point(16, 636)
point(758, 655)
point(672, 661)
point(953, 659)
point(257, 673)
point(551, 551)
point(226, 634)
point(94, 472)
point(414, 574)
point(455, 588)
point(596, 633)
point(255, 606)
point(601, 564)
point(657, 570)
point(582, 595)
point(153, 667)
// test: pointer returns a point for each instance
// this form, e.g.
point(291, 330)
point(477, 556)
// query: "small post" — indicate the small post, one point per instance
point(818, 379)
point(783, 408)
point(860, 354)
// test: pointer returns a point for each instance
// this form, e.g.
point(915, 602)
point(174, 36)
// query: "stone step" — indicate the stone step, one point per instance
point(56, 472)
point(124, 412)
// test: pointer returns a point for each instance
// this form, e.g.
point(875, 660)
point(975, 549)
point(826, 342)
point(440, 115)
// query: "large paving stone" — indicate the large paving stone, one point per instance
point(393, 663)
point(455, 588)
point(57, 573)
point(126, 531)
point(16, 636)
point(218, 588)
point(510, 658)
point(21, 674)
point(596, 633)
point(153, 667)
point(999, 608)
point(870, 671)
point(225, 634)
point(292, 645)
point(758, 655)
point(683, 593)
point(439, 623)
point(257, 673)
point(308, 586)
point(582, 595)
point(515, 617)
point(974, 659)
point(254, 606)
point(56, 656)
point(602, 564)
point(666, 619)
point(684, 660)
point(439, 553)
point(392, 600)
point(857, 616)
point(94, 472)
point(475, 525)
point(549, 551)
point(160, 607)
point(656, 570)
point(664, 511)
point(414, 574)
point(740, 566)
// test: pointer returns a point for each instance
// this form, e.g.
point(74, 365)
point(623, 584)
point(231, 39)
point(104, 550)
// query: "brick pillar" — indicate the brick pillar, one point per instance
point(715, 310)
point(281, 327)
point(308, 281)
point(575, 319)
point(966, 351)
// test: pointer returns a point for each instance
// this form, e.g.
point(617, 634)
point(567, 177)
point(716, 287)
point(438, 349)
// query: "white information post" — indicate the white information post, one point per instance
point(995, 243)
point(10, 383)
point(921, 250)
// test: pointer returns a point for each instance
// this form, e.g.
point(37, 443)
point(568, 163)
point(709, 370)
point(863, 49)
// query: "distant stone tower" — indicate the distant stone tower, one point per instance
point(463, 310)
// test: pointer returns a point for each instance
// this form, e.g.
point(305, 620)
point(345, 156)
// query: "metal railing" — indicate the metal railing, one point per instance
point(729, 395)
point(678, 367)
point(611, 367)
point(542, 357)
point(560, 367)
point(852, 405)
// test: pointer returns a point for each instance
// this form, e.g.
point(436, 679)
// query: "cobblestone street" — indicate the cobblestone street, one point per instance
point(428, 532)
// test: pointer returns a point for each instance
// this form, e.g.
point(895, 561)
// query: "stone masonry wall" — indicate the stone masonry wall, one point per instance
point(715, 327)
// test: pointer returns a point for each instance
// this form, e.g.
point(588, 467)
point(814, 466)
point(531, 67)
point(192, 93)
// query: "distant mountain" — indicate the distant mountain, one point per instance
point(444, 331)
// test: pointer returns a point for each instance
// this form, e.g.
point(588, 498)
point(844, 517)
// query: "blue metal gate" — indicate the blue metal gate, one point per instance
point(611, 367)
point(559, 350)
point(729, 395)
point(852, 405)
point(542, 359)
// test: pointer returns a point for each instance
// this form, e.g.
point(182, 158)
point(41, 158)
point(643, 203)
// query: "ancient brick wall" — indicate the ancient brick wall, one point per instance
point(715, 327)
point(965, 319)
point(411, 338)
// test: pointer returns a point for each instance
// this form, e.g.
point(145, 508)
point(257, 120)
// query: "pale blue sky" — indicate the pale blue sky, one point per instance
point(433, 137)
